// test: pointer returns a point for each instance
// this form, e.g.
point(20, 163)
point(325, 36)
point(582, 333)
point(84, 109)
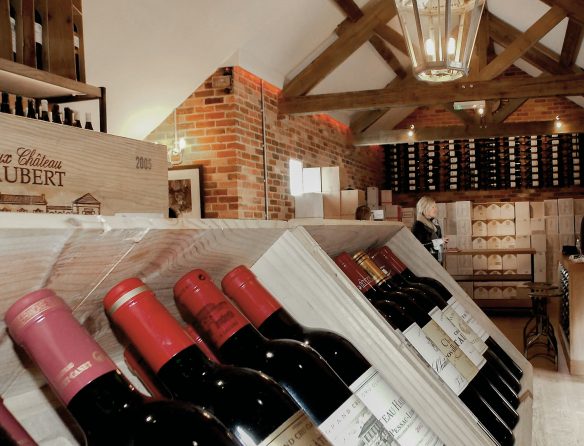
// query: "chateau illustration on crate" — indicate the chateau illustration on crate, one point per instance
point(37, 204)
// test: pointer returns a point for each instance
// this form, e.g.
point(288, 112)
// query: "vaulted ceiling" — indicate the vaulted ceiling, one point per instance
point(560, 76)
point(342, 57)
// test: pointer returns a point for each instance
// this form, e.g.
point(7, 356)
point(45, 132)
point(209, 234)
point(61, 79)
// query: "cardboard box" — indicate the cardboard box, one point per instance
point(537, 209)
point(507, 227)
point(552, 225)
point(463, 210)
point(493, 211)
point(331, 191)
point(537, 225)
point(479, 229)
point(479, 212)
point(565, 206)
point(508, 210)
point(566, 224)
point(508, 242)
point(493, 243)
point(538, 242)
point(494, 262)
point(479, 243)
point(523, 264)
point(372, 197)
point(59, 169)
point(309, 205)
point(579, 206)
point(386, 196)
point(510, 261)
point(522, 210)
point(523, 226)
point(493, 227)
point(550, 208)
point(464, 241)
point(351, 200)
point(522, 241)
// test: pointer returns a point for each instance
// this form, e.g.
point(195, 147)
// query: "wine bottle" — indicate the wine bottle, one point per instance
point(76, 120)
point(76, 44)
point(339, 414)
point(108, 409)
point(38, 39)
point(427, 308)
point(67, 116)
point(88, 124)
point(477, 347)
point(138, 367)
point(13, 30)
point(30, 110)
point(5, 104)
point(254, 407)
point(12, 429)
point(435, 347)
point(44, 114)
point(56, 114)
point(390, 260)
point(274, 322)
point(18, 107)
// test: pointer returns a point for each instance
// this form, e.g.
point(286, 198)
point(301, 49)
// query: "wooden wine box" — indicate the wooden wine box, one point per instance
point(57, 169)
point(82, 257)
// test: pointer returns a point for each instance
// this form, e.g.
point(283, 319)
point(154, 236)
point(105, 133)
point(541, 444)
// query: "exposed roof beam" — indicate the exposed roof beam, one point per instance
point(350, 8)
point(466, 132)
point(376, 12)
point(425, 94)
point(392, 37)
point(574, 8)
point(507, 109)
point(571, 45)
point(538, 55)
point(522, 43)
point(387, 54)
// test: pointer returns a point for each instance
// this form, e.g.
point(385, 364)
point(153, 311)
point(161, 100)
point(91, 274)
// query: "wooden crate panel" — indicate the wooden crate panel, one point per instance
point(47, 168)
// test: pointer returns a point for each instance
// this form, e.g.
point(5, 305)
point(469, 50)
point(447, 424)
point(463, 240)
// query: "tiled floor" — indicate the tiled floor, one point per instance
point(558, 404)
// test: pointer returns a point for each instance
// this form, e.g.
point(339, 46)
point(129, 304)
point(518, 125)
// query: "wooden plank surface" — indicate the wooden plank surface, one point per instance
point(52, 168)
point(5, 34)
point(60, 36)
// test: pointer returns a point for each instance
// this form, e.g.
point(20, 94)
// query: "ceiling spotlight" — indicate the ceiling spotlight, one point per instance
point(411, 131)
point(558, 123)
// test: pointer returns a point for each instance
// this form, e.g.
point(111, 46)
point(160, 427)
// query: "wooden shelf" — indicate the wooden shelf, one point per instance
point(26, 81)
point(466, 252)
point(22, 80)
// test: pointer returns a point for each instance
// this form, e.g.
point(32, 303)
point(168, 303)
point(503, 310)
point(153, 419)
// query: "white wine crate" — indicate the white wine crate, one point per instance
point(82, 257)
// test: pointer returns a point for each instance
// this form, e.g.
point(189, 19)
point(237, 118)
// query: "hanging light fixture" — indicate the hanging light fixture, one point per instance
point(440, 35)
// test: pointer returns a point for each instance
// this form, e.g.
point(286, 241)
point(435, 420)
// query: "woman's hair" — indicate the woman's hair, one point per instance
point(362, 213)
point(423, 206)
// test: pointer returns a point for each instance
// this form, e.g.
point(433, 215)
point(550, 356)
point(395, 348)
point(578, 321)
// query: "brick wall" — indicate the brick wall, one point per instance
point(224, 133)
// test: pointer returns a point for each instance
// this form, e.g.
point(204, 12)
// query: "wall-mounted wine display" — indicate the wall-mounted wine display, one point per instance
point(46, 35)
point(542, 161)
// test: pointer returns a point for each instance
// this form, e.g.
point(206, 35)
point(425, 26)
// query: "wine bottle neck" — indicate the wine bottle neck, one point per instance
point(280, 324)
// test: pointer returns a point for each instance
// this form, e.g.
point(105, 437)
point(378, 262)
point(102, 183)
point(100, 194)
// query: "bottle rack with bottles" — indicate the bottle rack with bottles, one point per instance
point(82, 257)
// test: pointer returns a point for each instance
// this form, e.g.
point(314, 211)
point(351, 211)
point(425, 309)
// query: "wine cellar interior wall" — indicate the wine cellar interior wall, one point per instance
point(222, 127)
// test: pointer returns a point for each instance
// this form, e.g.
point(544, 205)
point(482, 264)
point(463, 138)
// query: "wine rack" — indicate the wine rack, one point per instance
point(571, 331)
point(543, 161)
point(82, 257)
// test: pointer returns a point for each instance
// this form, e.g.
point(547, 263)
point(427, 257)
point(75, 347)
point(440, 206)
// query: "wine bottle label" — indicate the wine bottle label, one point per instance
point(468, 318)
point(38, 33)
point(468, 332)
point(435, 359)
point(13, 30)
point(458, 336)
point(450, 349)
point(297, 430)
point(76, 41)
point(352, 424)
point(398, 418)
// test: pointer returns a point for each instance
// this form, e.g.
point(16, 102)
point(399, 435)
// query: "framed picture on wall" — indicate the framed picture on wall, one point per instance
point(185, 191)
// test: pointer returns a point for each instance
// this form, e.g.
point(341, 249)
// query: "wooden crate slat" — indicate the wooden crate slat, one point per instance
point(60, 32)
point(5, 34)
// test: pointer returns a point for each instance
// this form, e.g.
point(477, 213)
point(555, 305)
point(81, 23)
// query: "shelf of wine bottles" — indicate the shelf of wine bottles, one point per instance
point(543, 161)
point(565, 302)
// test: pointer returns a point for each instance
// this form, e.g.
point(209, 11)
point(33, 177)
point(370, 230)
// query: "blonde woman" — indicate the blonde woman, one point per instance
point(427, 230)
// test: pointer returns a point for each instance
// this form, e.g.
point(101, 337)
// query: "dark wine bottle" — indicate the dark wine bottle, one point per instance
point(13, 429)
point(88, 124)
point(13, 30)
point(339, 414)
point(38, 39)
point(56, 114)
point(428, 305)
point(138, 367)
point(76, 120)
point(274, 322)
point(108, 409)
point(67, 116)
point(30, 110)
point(44, 114)
point(5, 104)
point(18, 107)
point(439, 351)
point(253, 406)
point(76, 45)
point(386, 257)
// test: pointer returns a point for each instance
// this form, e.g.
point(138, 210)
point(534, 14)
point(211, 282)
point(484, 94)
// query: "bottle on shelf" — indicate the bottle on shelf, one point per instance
point(274, 322)
point(38, 39)
point(391, 269)
point(13, 30)
point(429, 306)
point(67, 116)
point(76, 120)
point(107, 408)
point(18, 107)
point(5, 104)
point(138, 367)
point(44, 114)
point(12, 429)
point(469, 390)
point(338, 413)
point(76, 44)
point(88, 124)
point(254, 407)
point(30, 110)
point(56, 113)
point(384, 256)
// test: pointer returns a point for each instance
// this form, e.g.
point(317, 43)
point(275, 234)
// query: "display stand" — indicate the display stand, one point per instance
point(81, 258)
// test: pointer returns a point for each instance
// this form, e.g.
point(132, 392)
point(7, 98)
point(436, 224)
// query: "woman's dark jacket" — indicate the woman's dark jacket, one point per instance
point(425, 235)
